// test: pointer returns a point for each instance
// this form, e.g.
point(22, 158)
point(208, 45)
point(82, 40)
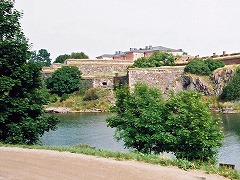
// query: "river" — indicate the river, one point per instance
point(91, 129)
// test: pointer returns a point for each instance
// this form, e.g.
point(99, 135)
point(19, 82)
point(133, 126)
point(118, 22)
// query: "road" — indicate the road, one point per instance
point(19, 163)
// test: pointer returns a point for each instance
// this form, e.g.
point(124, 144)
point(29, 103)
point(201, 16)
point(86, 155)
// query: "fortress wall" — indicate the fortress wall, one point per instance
point(163, 78)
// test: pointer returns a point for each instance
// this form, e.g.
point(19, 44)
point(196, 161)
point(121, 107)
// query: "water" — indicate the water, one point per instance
point(91, 129)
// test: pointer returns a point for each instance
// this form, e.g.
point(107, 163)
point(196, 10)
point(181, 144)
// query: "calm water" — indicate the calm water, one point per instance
point(91, 129)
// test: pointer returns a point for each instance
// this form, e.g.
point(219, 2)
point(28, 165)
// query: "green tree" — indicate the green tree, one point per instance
point(140, 119)
point(196, 133)
point(78, 55)
point(157, 59)
point(41, 57)
point(231, 91)
point(203, 67)
point(182, 124)
point(64, 80)
point(22, 118)
point(62, 58)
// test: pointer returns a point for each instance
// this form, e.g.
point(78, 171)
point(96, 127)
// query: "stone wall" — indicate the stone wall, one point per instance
point(103, 82)
point(164, 78)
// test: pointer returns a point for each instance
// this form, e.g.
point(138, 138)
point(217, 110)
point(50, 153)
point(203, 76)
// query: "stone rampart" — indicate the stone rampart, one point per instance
point(164, 78)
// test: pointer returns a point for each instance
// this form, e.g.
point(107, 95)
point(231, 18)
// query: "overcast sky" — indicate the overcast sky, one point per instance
point(97, 27)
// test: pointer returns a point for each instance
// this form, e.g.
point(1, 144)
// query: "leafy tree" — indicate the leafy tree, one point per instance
point(214, 64)
point(196, 133)
point(62, 58)
point(232, 90)
point(41, 57)
point(203, 67)
point(22, 118)
point(140, 119)
point(64, 80)
point(157, 59)
point(182, 124)
point(78, 55)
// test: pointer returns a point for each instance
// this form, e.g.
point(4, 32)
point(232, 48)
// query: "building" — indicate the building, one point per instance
point(135, 53)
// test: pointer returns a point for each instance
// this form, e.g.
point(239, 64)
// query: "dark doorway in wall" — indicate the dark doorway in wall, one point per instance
point(104, 83)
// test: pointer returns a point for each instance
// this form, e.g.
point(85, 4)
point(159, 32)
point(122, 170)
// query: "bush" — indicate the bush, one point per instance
point(148, 123)
point(232, 90)
point(53, 98)
point(203, 67)
point(64, 97)
point(64, 80)
point(157, 59)
point(90, 94)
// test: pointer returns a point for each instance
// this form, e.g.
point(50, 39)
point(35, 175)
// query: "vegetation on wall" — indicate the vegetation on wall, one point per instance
point(22, 96)
point(64, 80)
point(157, 59)
point(74, 55)
point(182, 124)
point(203, 67)
point(232, 89)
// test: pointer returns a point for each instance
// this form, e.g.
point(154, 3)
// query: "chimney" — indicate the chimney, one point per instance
point(150, 46)
point(116, 52)
point(224, 53)
point(146, 47)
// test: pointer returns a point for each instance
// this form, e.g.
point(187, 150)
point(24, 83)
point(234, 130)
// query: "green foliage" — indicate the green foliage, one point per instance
point(22, 96)
point(196, 132)
point(157, 59)
point(74, 55)
point(203, 67)
point(232, 90)
point(183, 124)
point(61, 58)
point(90, 94)
point(64, 80)
point(64, 97)
point(53, 98)
point(78, 55)
point(41, 57)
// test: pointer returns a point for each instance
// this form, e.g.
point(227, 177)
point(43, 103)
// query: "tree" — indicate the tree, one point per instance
point(140, 119)
point(78, 55)
point(203, 67)
point(157, 59)
point(64, 80)
point(197, 134)
point(182, 124)
point(22, 118)
point(231, 91)
point(61, 58)
point(41, 57)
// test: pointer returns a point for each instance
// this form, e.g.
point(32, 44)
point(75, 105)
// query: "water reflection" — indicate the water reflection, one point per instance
point(91, 129)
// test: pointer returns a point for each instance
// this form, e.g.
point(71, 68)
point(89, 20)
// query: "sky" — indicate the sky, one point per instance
point(98, 27)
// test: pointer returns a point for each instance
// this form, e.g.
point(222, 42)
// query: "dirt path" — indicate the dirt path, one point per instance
point(18, 163)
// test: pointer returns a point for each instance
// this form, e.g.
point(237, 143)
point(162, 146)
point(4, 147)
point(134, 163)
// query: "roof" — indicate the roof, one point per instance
point(142, 50)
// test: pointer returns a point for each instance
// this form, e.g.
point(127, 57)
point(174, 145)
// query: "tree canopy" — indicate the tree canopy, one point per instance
point(203, 66)
point(22, 118)
point(64, 80)
point(41, 57)
point(74, 55)
point(182, 124)
point(157, 59)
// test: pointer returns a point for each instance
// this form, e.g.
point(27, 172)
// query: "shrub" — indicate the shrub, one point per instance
point(53, 98)
point(232, 90)
point(90, 94)
point(64, 97)
point(203, 67)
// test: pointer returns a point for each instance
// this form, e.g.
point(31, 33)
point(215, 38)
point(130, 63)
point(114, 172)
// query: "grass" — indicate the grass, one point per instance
point(76, 103)
point(208, 168)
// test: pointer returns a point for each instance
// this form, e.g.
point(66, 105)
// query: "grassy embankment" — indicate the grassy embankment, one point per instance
point(98, 99)
point(146, 158)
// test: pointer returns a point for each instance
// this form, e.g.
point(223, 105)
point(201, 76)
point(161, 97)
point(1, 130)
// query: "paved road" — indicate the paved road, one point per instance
point(18, 163)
